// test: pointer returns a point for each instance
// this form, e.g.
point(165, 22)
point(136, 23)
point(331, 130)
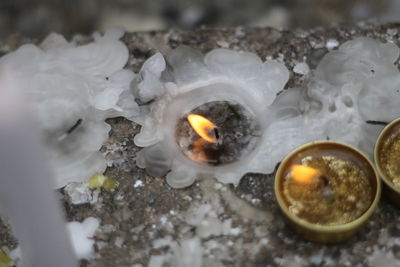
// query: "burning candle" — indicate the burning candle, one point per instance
point(387, 157)
point(203, 127)
point(208, 137)
point(327, 190)
point(216, 133)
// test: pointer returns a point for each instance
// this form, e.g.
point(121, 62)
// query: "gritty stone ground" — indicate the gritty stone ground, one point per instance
point(145, 218)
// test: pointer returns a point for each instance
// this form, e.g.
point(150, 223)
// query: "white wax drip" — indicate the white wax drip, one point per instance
point(354, 84)
point(79, 85)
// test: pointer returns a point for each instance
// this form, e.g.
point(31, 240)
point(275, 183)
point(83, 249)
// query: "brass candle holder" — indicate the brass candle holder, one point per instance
point(327, 190)
point(387, 160)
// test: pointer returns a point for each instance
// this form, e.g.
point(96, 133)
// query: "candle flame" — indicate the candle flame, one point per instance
point(304, 174)
point(202, 127)
point(197, 154)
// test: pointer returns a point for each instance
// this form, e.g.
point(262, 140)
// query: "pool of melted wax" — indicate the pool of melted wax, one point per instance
point(351, 192)
point(237, 134)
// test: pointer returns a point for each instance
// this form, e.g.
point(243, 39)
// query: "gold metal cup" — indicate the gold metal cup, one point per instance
point(327, 233)
point(389, 190)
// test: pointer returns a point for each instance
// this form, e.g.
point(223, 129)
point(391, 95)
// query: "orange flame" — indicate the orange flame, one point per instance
point(202, 127)
point(198, 154)
point(304, 174)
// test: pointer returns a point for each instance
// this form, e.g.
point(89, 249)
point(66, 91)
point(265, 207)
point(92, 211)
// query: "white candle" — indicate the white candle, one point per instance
point(26, 185)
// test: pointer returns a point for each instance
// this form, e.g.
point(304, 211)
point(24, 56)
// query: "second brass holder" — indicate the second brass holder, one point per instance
point(390, 191)
point(326, 233)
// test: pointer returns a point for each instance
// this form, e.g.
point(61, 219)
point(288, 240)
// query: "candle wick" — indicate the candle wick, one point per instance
point(77, 123)
point(216, 133)
point(377, 122)
point(324, 179)
point(70, 130)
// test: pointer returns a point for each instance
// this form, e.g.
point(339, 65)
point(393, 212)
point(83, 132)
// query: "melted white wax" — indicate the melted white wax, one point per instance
point(79, 85)
point(82, 234)
point(69, 83)
point(351, 85)
point(193, 79)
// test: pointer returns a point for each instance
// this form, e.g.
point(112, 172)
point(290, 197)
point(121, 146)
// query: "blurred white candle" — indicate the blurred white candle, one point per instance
point(26, 184)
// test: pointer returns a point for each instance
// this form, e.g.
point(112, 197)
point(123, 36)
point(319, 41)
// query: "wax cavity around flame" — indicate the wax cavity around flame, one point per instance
point(234, 135)
point(191, 81)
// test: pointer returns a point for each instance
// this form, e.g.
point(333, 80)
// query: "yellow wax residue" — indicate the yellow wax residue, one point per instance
point(344, 195)
point(101, 181)
point(390, 157)
point(5, 260)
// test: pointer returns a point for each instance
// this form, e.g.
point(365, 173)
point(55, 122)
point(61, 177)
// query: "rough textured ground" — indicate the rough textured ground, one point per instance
point(144, 217)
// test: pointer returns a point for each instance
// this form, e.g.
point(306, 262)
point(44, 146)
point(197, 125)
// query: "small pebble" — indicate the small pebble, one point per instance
point(301, 68)
point(138, 183)
point(391, 32)
point(331, 43)
point(78, 193)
